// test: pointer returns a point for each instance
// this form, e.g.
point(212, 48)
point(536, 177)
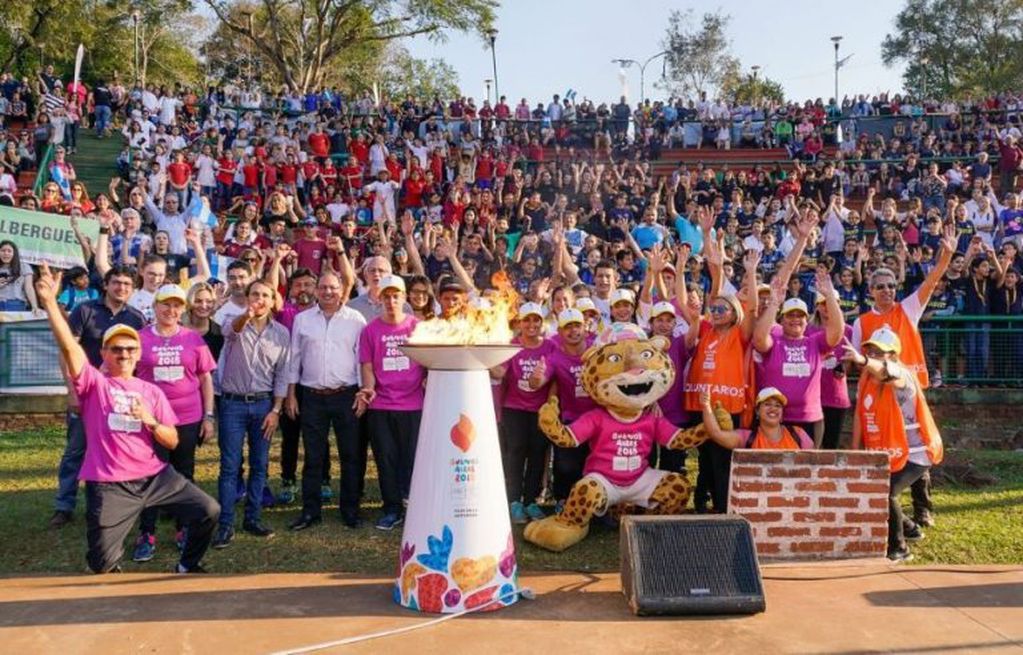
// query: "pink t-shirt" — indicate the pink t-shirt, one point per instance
point(174, 364)
point(619, 451)
point(835, 390)
point(399, 379)
point(517, 394)
point(671, 403)
point(118, 447)
point(566, 372)
point(289, 311)
point(794, 367)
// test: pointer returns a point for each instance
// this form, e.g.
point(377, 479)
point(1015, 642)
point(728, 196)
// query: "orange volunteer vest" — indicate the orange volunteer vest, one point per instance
point(912, 355)
point(719, 364)
point(788, 441)
point(883, 427)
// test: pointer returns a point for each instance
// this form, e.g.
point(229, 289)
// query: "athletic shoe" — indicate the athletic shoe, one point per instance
point(518, 513)
point(912, 533)
point(181, 538)
point(936, 380)
point(534, 512)
point(287, 493)
point(145, 548)
point(225, 535)
point(901, 555)
point(182, 569)
point(60, 518)
point(389, 522)
point(326, 493)
point(924, 518)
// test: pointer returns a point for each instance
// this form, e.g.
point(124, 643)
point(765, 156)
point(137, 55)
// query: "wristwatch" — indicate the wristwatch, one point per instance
point(209, 415)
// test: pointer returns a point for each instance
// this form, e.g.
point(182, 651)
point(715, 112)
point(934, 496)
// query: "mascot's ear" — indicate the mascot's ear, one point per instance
point(590, 352)
point(660, 343)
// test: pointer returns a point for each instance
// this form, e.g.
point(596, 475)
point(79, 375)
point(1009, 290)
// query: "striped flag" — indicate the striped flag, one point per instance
point(218, 264)
point(198, 212)
point(58, 177)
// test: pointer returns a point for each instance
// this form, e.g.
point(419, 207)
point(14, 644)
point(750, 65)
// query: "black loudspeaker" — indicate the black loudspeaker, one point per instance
point(690, 565)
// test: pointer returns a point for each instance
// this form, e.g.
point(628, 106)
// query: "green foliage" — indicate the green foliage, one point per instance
point(699, 56)
point(752, 90)
point(403, 75)
point(958, 47)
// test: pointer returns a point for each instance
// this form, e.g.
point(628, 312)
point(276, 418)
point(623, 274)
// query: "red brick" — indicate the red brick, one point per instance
point(761, 517)
point(844, 531)
point(759, 456)
point(755, 487)
point(795, 501)
point(867, 488)
point(864, 459)
point(816, 486)
point(865, 547)
point(787, 472)
point(815, 457)
point(812, 547)
point(785, 531)
point(866, 517)
point(745, 501)
point(881, 531)
point(846, 473)
point(878, 503)
point(814, 517)
point(753, 471)
point(838, 501)
point(767, 548)
point(877, 474)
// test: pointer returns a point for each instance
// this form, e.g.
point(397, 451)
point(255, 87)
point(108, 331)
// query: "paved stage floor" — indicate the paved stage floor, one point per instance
point(820, 608)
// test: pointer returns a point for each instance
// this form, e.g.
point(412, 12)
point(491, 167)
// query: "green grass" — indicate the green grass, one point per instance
point(975, 526)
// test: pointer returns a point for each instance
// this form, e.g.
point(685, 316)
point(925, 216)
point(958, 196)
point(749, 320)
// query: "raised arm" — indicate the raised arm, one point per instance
point(202, 264)
point(724, 436)
point(408, 231)
point(949, 241)
point(834, 326)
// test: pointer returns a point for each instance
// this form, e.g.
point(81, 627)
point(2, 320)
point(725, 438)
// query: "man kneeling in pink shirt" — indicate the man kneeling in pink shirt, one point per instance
point(123, 417)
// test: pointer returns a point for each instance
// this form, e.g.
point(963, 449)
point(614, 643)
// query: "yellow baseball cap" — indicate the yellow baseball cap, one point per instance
point(885, 340)
point(120, 330)
point(569, 316)
point(771, 392)
point(170, 292)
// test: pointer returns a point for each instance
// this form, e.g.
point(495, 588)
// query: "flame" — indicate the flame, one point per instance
point(479, 323)
point(463, 433)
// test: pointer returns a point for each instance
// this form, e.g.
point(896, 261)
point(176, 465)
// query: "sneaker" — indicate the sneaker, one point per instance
point(145, 548)
point(287, 493)
point(389, 522)
point(901, 555)
point(518, 513)
point(326, 493)
point(936, 380)
point(180, 539)
point(182, 569)
point(924, 517)
point(257, 529)
point(912, 533)
point(225, 535)
point(60, 518)
point(534, 512)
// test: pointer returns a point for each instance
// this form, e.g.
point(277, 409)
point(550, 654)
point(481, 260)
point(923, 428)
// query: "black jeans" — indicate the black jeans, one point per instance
point(568, 469)
point(112, 507)
point(319, 414)
point(713, 477)
point(834, 421)
point(291, 436)
point(182, 459)
point(899, 482)
point(394, 435)
point(524, 453)
point(921, 493)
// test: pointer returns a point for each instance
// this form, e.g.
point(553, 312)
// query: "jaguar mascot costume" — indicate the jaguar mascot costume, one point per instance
point(625, 372)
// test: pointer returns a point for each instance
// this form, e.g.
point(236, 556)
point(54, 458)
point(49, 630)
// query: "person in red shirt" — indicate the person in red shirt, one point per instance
point(226, 168)
point(485, 169)
point(179, 174)
point(360, 149)
point(328, 173)
point(310, 248)
point(253, 174)
point(242, 239)
point(501, 110)
point(319, 143)
point(351, 176)
point(288, 172)
point(412, 195)
point(394, 167)
point(311, 175)
point(437, 163)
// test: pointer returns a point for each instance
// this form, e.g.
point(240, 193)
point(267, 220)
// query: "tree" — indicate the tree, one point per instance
point(970, 46)
point(302, 39)
point(403, 75)
point(699, 58)
point(750, 90)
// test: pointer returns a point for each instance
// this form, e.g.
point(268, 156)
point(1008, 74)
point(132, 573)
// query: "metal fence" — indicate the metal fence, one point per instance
point(28, 355)
point(974, 350)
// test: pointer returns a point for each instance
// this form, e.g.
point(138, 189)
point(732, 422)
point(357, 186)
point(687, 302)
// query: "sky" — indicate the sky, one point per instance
point(550, 46)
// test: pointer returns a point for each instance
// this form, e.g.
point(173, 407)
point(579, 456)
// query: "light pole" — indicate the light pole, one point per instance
point(836, 40)
point(642, 70)
point(135, 65)
point(492, 35)
point(756, 90)
point(487, 82)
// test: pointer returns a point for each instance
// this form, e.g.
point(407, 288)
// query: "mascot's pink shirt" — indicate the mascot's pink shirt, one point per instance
point(618, 451)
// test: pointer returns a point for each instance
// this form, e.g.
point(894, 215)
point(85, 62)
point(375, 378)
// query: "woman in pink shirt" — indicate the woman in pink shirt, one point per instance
point(834, 383)
point(178, 361)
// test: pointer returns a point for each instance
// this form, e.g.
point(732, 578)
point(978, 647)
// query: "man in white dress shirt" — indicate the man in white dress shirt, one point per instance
point(325, 362)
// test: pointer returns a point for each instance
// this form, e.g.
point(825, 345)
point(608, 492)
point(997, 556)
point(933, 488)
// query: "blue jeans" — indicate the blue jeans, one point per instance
point(238, 420)
point(978, 346)
point(70, 464)
point(102, 118)
point(13, 305)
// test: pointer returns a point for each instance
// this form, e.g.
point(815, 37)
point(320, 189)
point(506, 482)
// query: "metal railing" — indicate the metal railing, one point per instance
point(974, 350)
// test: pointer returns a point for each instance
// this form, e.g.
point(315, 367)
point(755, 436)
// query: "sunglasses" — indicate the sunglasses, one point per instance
point(719, 309)
point(886, 285)
point(123, 350)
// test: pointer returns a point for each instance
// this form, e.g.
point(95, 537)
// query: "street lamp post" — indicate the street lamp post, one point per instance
point(487, 82)
point(492, 35)
point(836, 40)
point(756, 89)
point(135, 65)
point(642, 70)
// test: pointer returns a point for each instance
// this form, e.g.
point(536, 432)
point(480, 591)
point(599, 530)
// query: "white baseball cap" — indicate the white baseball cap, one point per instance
point(530, 309)
point(170, 292)
point(794, 305)
point(771, 392)
point(885, 339)
point(569, 316)
point(663, 307)
point(585, 304)
point(392, 282)
point(622, 295)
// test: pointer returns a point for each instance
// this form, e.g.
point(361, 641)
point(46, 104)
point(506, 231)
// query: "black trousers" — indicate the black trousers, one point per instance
point(834, 421)
point(899, 482)
point(320, 414)
point(111, 509)
point(182, 459)
point(568, 469)
point(394, 435)
point(291, 436)
point(921, 493)
point(713, 477)
point(524, 453)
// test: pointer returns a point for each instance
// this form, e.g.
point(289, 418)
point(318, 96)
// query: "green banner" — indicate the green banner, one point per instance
point(43, 237)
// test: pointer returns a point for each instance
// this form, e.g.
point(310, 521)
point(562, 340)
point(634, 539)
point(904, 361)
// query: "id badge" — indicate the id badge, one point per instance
point(168, 373)
point(396, 363)
point(123, 423)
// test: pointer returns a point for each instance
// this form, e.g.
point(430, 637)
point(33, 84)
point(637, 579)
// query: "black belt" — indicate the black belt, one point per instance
point(248, 397)
point(332, 392)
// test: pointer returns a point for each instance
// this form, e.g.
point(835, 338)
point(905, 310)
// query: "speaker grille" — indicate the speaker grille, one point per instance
point(690, 566)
